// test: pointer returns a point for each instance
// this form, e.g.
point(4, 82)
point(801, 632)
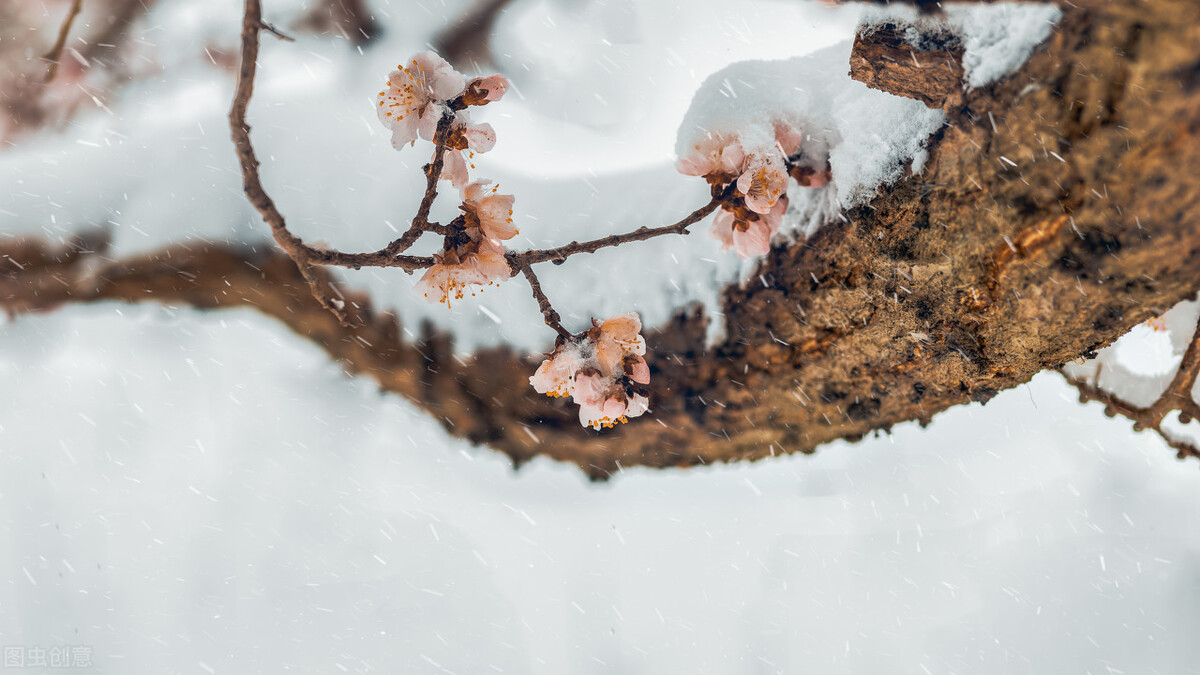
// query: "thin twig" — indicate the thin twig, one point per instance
point(560, 254)
point(276, 32)
point(1179, 392)
point(251, 183)
point(306, 256)
point(303, 254)
point(433, 172)
point(55, 53)
point(548, 313)
point(1177, 396)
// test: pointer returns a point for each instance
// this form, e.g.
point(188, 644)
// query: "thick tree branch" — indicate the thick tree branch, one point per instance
point(1083, 166)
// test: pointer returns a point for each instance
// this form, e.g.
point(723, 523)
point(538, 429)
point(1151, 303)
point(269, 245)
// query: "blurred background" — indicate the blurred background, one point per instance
point(183, 491)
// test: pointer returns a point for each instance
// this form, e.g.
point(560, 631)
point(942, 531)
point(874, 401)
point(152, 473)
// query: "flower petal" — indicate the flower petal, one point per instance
point(754, 241)
point(480, 137)
point(722, 229)
point(454, 168)
point(638, 371)
point(763, 182)
point(495, 85)
point(443, 82)
point(495, 216)
point(637, 405)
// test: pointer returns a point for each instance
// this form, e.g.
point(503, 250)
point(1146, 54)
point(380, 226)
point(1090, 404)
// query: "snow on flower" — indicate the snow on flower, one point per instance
point(474, 256)
point(603, 370)
point(416, 96)
point(746, 222)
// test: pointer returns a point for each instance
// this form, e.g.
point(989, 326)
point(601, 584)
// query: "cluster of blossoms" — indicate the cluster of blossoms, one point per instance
point(418, 96)
point(473, 253)
point(601, 370)
point(747, 224)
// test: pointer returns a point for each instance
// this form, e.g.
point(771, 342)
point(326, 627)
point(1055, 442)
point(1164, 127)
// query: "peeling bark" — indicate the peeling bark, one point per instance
point(1058, 208)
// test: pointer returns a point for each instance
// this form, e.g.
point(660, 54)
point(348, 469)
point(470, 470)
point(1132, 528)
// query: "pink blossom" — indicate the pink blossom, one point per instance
point(556, 376)
point(601, 405)
point(715, 156)
point(748, 238)
point(478, 258)
point(754, 240)
point(788, 138)
point(464, 141)
point(474, 264)
point(636, 405)
point(604, 403)
point(489, 211)
point(637, 370)
point(454, 168)
point(602, 369)
point(618, 337)
point(763, 181)
point(722, 228)
point(415, 97)
point(746, 232)
point(807, 171)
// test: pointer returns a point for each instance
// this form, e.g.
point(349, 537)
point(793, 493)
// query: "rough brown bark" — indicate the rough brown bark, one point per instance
point(932, 73)
point(1058, 208)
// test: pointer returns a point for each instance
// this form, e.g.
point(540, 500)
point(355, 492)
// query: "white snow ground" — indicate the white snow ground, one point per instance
point(189, 492)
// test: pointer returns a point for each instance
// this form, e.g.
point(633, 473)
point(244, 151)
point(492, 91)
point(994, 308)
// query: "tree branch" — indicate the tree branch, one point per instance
point(551, 316)
point(1177, 396)
point(1179, 393)
point(1083, 165)
point(560, 254)
point(433, 173)
point(304, 255)
point(60, 42)
point(883, 59)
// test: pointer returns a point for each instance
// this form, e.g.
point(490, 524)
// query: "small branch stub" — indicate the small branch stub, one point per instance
point(909, 60)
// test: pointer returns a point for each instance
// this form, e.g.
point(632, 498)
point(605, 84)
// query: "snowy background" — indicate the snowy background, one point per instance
point(205, 492)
